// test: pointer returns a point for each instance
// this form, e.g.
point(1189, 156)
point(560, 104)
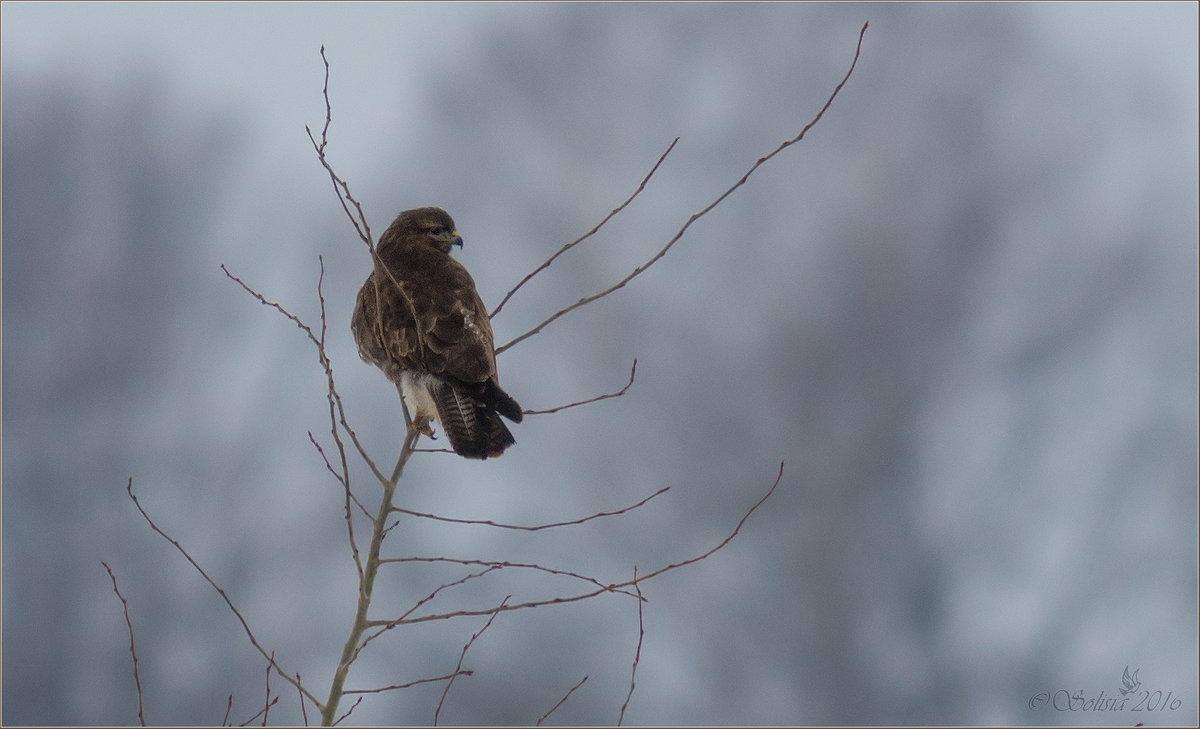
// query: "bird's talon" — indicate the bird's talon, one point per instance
point(422, 426)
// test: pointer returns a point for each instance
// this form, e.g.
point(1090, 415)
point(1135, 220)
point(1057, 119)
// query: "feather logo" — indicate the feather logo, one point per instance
point(1130, 683)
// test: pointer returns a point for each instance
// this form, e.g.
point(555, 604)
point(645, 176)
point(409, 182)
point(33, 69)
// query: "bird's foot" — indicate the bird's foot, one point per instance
point(422, 425)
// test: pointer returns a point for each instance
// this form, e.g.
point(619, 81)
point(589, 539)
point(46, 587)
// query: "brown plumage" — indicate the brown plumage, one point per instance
point(419, 319)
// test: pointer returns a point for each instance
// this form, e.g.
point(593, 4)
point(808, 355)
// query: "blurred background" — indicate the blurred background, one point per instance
point(963, 310)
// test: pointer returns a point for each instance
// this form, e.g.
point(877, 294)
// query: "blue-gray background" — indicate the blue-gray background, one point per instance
point(963, 310)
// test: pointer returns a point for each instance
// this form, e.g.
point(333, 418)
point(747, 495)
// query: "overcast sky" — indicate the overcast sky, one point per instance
point(962, 311)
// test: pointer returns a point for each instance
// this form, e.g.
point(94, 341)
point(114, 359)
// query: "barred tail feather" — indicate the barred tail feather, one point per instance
point(474, 429)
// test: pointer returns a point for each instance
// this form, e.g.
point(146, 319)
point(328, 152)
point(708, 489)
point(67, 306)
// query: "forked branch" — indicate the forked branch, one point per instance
point(637, 654)
point(614, 587)
point(458, 668)
point(568, 246)
point(696, 216)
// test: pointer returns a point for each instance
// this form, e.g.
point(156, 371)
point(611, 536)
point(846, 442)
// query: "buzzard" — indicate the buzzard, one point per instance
point(419, 319)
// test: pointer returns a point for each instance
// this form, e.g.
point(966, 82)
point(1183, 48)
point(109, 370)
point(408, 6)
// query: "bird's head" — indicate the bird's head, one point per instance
point(423, 227)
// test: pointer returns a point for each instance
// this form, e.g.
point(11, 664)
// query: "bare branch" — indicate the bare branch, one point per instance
point(637, 655)
point(412, 435)
point(348, 711)
point(334, 397)
point(228, 708)
point(618, 393)
point(410, 684)
point(433, 450)
point(365, 586)
point(335, 404)
point(724, 541)
point(496, 565)
point(561, 701)
point(386, 625)
point(586, 235)
point(616, 587)
point(260, 712)
point(368, 570)
point(347, 200)
point(267, 707)
point(351, 648)
point(274, 305)
point(303, 708)
point(137, 681)
point(340, 187)
point(461, 656)
point(695, 216)
point(341, 479)
point(337, 414)
point(359, 220)
point(212, 583)
point(539, 527)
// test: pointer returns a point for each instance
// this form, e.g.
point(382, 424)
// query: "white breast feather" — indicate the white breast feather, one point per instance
point(415, 387)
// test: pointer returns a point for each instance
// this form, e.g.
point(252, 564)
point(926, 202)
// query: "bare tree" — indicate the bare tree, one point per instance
point(369, 510)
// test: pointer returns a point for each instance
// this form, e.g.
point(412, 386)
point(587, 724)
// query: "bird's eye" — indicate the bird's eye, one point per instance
point(437, 231)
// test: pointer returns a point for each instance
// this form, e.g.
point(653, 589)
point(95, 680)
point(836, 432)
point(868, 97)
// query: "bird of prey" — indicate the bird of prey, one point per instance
point(419, 319)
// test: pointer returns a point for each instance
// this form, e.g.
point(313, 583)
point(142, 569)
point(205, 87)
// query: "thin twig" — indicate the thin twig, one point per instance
point(228, 708)
point(386, 625)
point(498, 565)
point(342, 189)
point(303, 708)
point(433, 450)
point(358, 219)
point(637, 655)
point(274, 305)
point(410, 684)
point(331, 396)
point(350, 495)
point(348, 711)
point(618, 393)
point(724, 541)
point(261, 712)
point(539, 527)
point(332, 393)
point(458, 668)
point(695, 216)
point(267, 706)
point(561, 701)
point(137, 681)
point(220, 591)
point(616, 587)
point(585, 236)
